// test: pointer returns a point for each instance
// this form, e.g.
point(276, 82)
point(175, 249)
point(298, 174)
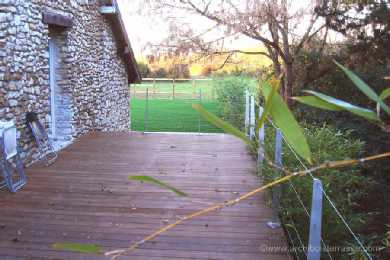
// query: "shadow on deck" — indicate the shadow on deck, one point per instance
point(85, 197)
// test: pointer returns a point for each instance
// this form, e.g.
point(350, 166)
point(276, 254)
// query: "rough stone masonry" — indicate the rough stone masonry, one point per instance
point(91, 85)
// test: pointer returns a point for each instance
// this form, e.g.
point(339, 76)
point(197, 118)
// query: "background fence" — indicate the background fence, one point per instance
point(306, 242)
point(165, 105)
point(184, 89)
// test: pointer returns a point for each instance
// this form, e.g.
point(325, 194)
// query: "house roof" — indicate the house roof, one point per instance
point(121, 36)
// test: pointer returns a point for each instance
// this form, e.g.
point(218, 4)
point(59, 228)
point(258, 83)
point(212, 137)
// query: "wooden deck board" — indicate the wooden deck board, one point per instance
point(86, 197)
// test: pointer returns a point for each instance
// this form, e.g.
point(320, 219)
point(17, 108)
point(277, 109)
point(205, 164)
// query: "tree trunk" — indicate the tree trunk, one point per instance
point(288, 76)
point(289, 81)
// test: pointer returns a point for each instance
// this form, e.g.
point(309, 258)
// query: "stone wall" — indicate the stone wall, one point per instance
point(92, 74)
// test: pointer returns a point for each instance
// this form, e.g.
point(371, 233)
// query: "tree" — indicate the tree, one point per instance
point(274, 24)
point(143, 69)
point(366, 23)
point(179, 71)
point(159, 73)
point(206, 71)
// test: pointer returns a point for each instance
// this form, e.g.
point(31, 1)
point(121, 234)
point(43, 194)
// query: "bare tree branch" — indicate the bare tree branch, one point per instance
point(270, 22)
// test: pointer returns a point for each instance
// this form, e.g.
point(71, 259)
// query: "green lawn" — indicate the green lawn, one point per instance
point(170, 116)
point(183, 89)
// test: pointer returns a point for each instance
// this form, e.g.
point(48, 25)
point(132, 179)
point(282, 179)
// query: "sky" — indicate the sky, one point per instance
point(143, 29)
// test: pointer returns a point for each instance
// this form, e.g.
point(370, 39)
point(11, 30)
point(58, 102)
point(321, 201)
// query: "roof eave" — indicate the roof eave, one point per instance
point(127, 51)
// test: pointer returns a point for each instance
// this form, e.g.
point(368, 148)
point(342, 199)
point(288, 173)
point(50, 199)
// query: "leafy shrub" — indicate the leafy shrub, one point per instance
point(143, 69)
point(334, 83)
point(230, 93)
point(159, 73)
point(206, 71)
point(345, 186)
point(178, 71)
point(314, 70)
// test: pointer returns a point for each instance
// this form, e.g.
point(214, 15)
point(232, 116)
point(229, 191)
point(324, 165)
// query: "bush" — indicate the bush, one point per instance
point(179, 71)
point(230, 93)
point(206, 71)
point(347, 187)
point(239, 71)
point(159, 73)
point(316, 71)
point(143, 69)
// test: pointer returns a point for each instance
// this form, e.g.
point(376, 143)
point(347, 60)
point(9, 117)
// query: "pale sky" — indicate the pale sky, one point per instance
point(143, 29)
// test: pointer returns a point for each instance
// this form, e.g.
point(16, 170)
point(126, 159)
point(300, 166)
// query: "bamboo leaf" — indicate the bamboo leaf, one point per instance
point(149, 179)
point(360, 84)
point(285, 120)
point(362, 112)
point(81, 248)
point(317, 102)
point(385, 94)
point(268, 103)
point(216, 121)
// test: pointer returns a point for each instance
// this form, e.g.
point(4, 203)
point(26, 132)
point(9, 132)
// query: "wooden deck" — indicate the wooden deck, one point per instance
point(86, 197)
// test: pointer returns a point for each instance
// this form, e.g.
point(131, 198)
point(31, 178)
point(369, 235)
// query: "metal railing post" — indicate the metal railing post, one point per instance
point(261, 149)
point(276, 191)
point(193, 88)
point(146, 116)
point(154, 86)
point(173, 88)
point(314, 247)
point(247, 112)
point(252, 118)
point(199, 101)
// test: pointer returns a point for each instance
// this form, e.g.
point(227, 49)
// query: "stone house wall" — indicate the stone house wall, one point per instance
point(91, 74)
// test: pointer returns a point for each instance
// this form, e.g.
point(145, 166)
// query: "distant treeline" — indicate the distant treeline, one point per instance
point(176, 71)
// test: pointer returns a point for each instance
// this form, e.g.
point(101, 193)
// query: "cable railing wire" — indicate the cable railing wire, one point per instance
point(298, 236)
point(308, 215)
point(292, 243)
point(331, 203)
point(300, 199)
point(342, 218)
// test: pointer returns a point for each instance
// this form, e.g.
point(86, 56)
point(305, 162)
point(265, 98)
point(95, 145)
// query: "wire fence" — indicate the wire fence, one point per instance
point(182, 89)
point(165, 105)
point(302, 244)
point(333, 205)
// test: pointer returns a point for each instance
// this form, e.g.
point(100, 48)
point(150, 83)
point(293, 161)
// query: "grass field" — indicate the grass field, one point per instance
point(170, 116)
point(182, 89)
point(168, 113)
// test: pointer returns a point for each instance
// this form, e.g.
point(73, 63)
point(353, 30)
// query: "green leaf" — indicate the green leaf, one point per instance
point(317, 102)
point(81, 248)
point(225, 126)
point(285, 120)
point(360, 84)
point(363, 112)
point(268, 105)
point(385, 94)
point(157, 182)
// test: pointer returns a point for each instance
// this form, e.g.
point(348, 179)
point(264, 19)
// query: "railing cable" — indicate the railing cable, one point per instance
point(308, 215)
point(298, 236)
point(330, 201)
point(292, 242)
